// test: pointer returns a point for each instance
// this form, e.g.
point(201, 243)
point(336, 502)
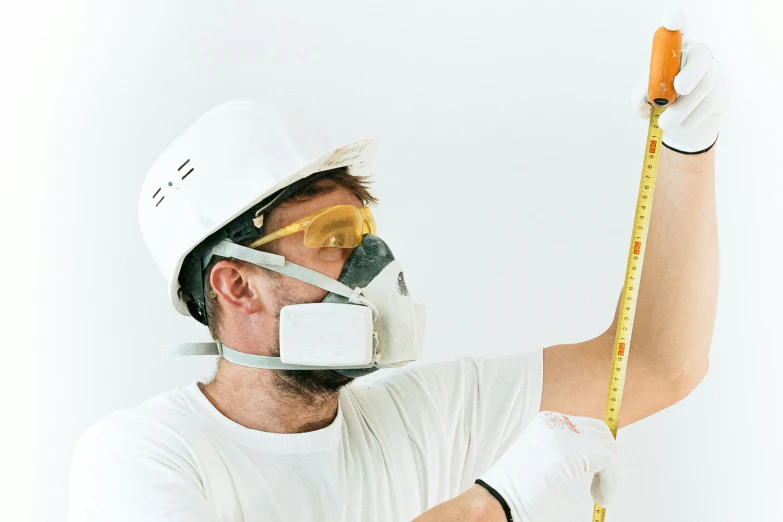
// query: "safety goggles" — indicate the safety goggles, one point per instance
point(340, 226)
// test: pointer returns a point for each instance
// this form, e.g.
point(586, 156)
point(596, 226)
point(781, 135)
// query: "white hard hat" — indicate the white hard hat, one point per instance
point(226, 163)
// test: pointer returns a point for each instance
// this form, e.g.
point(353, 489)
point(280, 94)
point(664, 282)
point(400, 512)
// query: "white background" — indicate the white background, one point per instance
point(511, 222)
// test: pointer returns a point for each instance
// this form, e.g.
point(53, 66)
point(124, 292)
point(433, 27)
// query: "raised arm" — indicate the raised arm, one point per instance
point(679, 287)
point(675, 313)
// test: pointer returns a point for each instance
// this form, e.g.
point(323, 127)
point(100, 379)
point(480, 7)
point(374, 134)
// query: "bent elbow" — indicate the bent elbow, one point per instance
point(689, 378)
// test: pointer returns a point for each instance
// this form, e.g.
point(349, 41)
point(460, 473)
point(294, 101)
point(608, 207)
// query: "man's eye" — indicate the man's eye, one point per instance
point(337, 239)
point(333, 254)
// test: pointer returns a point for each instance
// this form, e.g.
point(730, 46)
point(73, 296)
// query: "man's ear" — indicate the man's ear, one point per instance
point(234, 285)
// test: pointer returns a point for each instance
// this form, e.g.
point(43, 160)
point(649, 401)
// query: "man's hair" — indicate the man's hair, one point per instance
point(359, 186)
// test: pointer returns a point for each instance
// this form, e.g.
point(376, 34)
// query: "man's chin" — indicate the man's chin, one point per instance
point(313, 383)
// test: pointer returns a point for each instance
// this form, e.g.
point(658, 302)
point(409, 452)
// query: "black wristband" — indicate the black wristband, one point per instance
point(689, 153)
point(498, 497)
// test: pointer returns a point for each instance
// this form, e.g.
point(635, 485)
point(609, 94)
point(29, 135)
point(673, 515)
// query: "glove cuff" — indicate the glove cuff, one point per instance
point(499, 498)
point(688, 152)
point(691, 142)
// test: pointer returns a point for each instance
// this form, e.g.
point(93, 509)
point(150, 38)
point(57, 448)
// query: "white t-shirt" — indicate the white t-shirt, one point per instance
point(415, 438)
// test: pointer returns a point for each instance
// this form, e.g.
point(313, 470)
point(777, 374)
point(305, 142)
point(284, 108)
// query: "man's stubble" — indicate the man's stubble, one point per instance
point(313, 386)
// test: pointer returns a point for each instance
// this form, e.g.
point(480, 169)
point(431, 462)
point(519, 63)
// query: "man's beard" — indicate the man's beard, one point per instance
point(311, 385)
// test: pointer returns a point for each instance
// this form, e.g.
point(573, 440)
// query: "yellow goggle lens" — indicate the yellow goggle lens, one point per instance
point(369, 220)
point(341, 226)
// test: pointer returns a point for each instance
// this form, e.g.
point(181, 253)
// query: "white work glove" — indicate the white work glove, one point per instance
point(541, 467)
point(690, 125)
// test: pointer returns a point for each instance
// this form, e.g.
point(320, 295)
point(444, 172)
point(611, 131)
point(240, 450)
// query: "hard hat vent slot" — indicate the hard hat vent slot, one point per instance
point(156, 195)
point(183, 166)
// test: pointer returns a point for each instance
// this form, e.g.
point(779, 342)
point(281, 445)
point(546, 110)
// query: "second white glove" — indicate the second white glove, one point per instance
point(552, 454)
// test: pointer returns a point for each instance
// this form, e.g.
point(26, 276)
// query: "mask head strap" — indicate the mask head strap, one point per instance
point(278, 264)
point(241, 358)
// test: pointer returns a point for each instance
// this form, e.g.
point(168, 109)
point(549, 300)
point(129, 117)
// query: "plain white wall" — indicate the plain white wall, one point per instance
point(482, 109)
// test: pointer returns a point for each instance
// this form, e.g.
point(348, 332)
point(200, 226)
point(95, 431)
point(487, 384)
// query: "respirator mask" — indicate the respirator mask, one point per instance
point(367, 320)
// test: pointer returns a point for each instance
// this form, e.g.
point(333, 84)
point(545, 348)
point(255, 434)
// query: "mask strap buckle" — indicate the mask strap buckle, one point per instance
point(356, 297)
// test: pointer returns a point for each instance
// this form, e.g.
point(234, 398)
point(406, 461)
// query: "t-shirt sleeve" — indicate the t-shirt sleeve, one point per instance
point(129, 470)
point(480, 406)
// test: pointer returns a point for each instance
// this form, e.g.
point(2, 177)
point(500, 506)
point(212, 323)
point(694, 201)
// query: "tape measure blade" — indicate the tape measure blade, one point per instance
point(599, 513)
point(633, 273)
point(633, 277)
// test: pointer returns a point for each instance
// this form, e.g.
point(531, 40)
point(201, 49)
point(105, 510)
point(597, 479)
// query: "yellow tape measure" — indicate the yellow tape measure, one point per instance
point(664, 66)
point(633, 276)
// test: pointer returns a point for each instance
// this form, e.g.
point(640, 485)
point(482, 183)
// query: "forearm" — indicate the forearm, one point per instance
point(678, 292)
point(474, 505)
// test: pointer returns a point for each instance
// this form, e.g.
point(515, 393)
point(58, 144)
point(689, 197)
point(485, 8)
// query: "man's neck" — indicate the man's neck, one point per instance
point(254, 399)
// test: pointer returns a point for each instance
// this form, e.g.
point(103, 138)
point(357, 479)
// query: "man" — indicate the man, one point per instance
point(265, 236)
